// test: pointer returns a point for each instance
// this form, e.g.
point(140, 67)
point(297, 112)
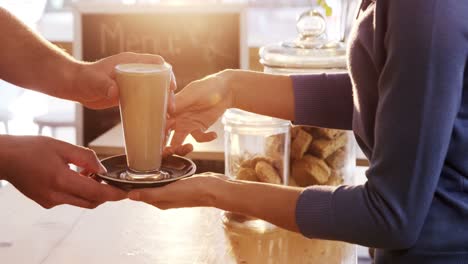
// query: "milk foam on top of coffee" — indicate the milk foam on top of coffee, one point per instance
point(141, 68)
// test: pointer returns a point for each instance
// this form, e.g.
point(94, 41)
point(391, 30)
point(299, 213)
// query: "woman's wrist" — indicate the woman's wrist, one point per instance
point(213, 192)
point(218, 193)
point(226, 80)
point(273, 203)
point(224, 195)
point(251, 91)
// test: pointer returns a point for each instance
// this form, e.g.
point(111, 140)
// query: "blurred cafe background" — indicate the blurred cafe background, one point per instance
point(92, 29)
point(267, 22)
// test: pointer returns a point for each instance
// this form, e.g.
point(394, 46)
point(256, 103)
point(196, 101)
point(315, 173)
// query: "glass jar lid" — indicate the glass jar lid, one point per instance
point(241, 118)
point(311, 49)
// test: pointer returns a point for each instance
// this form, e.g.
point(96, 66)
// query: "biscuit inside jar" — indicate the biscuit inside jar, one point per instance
point(260, 169)
point(318, 156)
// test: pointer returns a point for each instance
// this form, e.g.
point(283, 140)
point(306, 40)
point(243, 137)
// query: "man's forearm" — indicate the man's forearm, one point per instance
point(6, 155)
point(273, 203)
point(30, 61)
point(2, 158)
point(261, 93)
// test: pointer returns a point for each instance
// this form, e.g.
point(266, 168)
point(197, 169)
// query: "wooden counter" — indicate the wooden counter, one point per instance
point(132, 232)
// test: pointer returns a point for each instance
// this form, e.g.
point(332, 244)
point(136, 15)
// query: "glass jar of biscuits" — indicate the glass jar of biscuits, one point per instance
point(319, 156)
point(256, 149)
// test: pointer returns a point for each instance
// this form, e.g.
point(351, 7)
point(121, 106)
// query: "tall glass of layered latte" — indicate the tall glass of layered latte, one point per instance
point(144, 92)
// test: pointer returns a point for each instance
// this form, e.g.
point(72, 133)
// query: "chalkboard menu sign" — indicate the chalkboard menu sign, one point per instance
point(195, 40)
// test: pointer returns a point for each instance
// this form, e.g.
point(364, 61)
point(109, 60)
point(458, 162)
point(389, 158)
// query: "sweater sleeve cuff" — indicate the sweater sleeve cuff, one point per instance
point(314, 211)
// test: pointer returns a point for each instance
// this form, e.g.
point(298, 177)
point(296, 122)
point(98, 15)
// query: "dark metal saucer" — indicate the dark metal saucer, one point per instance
point(177, 167)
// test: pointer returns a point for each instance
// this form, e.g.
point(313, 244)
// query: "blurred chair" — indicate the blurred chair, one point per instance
point(8, 94)
point(61, 114)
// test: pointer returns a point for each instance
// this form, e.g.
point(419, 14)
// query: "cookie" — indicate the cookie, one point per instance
point(323, 148)
point(266, 173)
point(335, 178)
point(320, 132)
point(310, 171)
point(274, 145)
point(246, 174)
point(300, 144)
point(337, 160)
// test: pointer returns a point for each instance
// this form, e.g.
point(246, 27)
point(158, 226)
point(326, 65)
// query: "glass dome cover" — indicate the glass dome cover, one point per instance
point(311, 49)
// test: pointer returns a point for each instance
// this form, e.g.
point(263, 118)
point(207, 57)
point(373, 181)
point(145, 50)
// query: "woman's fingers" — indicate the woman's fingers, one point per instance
point(171, 107)
point(173, 86)
point(147, 195)
point(64, 198)
point(184, 149)
point(201, 136)
point(178, 138)
point(181, 150)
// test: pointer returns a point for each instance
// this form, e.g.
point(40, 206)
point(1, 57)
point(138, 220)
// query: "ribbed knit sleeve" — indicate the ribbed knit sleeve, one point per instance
point(323, 100)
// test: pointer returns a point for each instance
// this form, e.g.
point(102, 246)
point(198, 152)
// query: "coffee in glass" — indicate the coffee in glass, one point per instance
point(144, 90)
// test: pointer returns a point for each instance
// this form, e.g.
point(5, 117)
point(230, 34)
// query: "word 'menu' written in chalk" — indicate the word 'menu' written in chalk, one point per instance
point(114, 37)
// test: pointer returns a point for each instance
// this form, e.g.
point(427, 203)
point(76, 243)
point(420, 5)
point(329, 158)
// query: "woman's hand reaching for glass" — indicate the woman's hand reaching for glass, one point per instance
point(201, 103)
point(198, 106)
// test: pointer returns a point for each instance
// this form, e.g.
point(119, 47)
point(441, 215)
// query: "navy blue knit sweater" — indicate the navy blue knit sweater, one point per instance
point(406, 99)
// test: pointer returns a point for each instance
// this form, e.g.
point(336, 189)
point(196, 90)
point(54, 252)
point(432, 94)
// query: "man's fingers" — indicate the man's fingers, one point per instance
point(82, 157)
point(107, 87)
point(112, 89)
point(86, 172)
point(90, 190)
point(91, 175)
point(64, 198)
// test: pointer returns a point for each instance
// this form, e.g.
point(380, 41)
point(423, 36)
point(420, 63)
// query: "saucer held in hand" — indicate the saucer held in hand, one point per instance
point(175, 166)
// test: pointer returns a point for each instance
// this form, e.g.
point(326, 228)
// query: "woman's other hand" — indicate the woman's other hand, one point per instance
point(195, 191)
